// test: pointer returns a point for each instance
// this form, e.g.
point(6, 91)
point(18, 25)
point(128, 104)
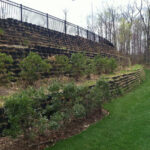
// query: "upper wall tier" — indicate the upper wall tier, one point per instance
point(14, 32)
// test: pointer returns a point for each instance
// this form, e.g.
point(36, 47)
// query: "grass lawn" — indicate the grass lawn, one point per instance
point(126, 128)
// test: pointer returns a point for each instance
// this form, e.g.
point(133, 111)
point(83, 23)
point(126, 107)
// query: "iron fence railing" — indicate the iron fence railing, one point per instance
point(9, 9)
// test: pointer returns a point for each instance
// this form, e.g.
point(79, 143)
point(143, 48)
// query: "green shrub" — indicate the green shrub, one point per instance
point(103, 87)
point(92, 100)
point(56, 120)
point(111, 65)
point(56, 100)
point(90, 67)
point(79, 110)
point(55, 87)
point(93, 97)
point(63, 64)
point(32, 67)
point(5, 62)
point(36, 94)
point(78, 62)
point(21, 115)
point(64, 99)
point(70, 91)
point(100, 64)
point(32, 112)
point(104, 65)
point(25, 114)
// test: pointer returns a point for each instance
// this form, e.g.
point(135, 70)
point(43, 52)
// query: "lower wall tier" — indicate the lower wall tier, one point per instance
point(117, 84)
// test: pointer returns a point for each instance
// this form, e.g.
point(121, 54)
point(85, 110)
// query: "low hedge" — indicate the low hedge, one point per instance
point(33, 67)
point(32, 112)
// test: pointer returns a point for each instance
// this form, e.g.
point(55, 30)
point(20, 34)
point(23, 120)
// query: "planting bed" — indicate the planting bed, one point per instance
point(116, 84)
point(47, 52)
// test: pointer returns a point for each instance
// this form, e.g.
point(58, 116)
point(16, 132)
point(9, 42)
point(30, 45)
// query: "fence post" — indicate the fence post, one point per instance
point(65, 23)
point(78, 30)
point(21, 12)
point(47, 21)
point(99, 38)
point(94, 36)
point(87, 33)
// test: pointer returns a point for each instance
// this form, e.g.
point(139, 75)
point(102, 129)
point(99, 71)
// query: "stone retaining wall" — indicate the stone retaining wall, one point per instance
point(125, 82)
point(18, 38)
point(21, 33)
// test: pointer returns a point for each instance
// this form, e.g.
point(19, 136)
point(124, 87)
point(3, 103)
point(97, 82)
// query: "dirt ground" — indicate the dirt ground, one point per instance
point(5, 91)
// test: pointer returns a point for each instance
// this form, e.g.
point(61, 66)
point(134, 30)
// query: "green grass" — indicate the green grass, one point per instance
point(123, 71)
point(109, 76)
point(126, 128)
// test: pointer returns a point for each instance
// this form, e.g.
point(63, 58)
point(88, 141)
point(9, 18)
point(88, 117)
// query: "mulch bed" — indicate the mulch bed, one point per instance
point(3, 91)
point(51, 137)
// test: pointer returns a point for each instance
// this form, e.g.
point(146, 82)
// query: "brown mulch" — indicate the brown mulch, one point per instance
point(3, 91)
point(8, 90)
point(51, 137)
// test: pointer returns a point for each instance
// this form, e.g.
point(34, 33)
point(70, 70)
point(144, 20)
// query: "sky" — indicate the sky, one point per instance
point(78, 10)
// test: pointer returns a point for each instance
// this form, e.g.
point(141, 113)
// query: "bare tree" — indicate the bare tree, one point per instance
point(107, 23)
point(128, 28)
point(144, 11)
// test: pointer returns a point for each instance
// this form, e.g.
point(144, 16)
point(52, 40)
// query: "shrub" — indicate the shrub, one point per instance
point(104, 65)
point(93, 97)
point(21, 115)
point(92, 100)
point(100, 64)
point(103, 87)
point(56, 120)
point(79, 110)
point(78, 62)
point(54, 87)
point(32, 67)
point(111, 65)
point(90, 67)
point(64, 99)
point(32, 112)
point(24, 113)
point(56, 99)
point(63, 64)
point(70, 91)
point(5, 62)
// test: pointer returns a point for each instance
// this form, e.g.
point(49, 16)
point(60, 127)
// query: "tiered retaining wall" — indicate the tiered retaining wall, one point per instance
point(21, 33)
point(18, 38)
point(124, 82)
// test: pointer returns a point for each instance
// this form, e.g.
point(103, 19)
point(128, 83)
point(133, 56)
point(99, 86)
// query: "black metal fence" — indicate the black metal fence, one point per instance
point(9, 9)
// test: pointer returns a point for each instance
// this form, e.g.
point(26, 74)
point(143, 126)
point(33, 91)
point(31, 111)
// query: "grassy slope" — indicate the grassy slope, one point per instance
point(126, 128)
point(126, 70)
